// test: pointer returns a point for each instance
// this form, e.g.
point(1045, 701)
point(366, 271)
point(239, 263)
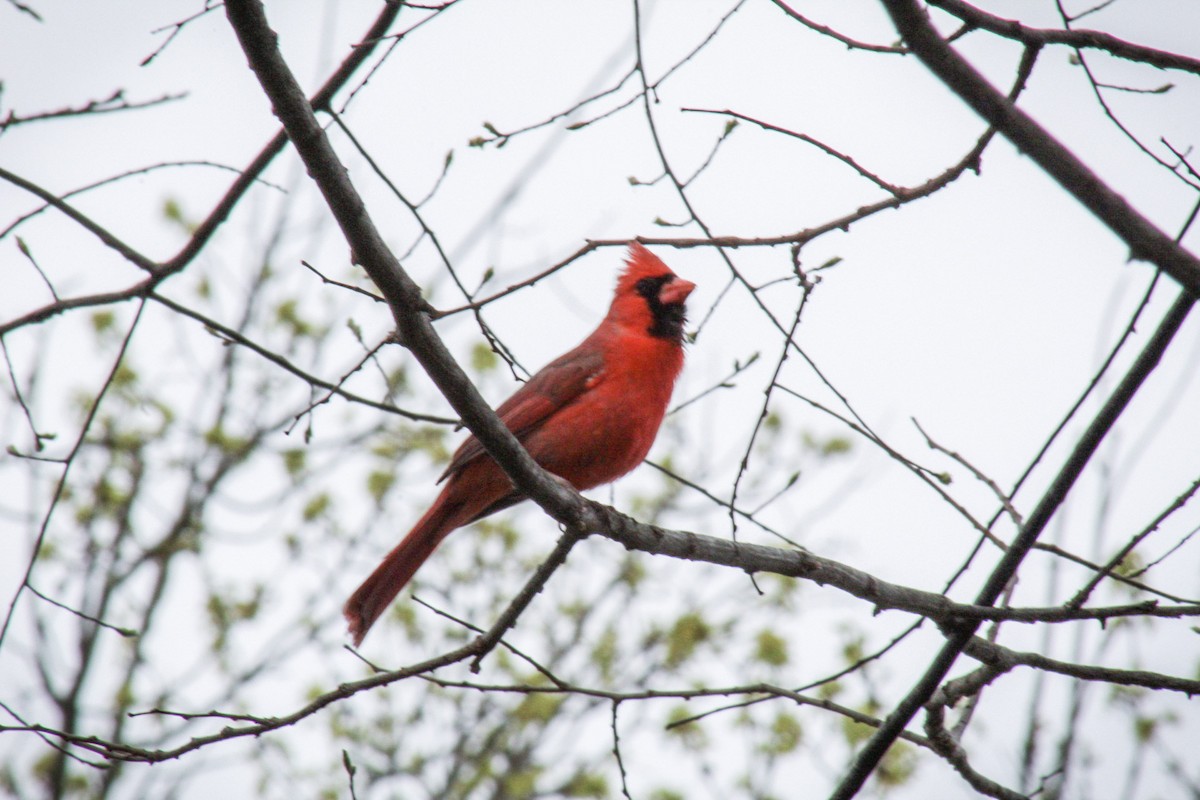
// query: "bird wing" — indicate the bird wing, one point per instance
point(556, 385)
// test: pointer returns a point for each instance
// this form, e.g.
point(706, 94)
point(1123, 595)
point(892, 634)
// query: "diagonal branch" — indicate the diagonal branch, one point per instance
point(869, 757)
point(403, 296)
point(216, 217)
point(1144, 239)
point(1003, 659)
point(1080, 39)
point(417, 334)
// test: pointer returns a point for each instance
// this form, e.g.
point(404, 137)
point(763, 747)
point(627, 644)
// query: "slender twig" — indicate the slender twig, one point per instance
point(175, 29)
point(347, 286)
point(38, 437)
point(128, 633)
point(944, 743)
point(1115, 562)
point(848, 160)
point(980, 475)
point(113, 103)
point(616, 750)
point(509, 646)
point(234, 336)
point(530, 590)
point(69, 461)
point(1004, 659)
point(1110, 113)
point(99, 231)
point(824, 30)
point(744, 464)
point(1145, 240)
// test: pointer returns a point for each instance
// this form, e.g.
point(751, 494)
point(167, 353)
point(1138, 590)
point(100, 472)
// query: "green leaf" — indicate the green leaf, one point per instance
point(633, 571)
point(856, 732)
point(586, 784)
point(1144, 727)
point(226, 443)
point(785, 734)
point(771, 649)
point(483, 358)
point(836, 445)
point(316, 507)
point(287, 314)
point(124, 377)
point(521, 783)
point(897, 766)
point(537, 707)
point(294, 461)
point(604, 652)
point(172, 211)
point(102, 321)
point(378, 484)
point(689, 632)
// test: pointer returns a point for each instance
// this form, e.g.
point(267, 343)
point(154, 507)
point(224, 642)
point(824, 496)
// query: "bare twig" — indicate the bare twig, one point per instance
point(68, 462)
point(1144, 239)
point(113, 103)
point(1011, 29)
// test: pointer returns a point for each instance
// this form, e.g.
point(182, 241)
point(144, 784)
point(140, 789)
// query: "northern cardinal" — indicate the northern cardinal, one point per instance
point(588, 417)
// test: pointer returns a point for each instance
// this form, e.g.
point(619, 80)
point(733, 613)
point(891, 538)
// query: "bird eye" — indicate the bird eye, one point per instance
point(649, 287)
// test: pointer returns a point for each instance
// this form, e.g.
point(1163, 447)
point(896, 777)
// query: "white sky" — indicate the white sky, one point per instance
point(982, 311)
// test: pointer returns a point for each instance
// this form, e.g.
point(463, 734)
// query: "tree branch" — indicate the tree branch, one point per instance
point(403, 295)
point(1003, 659)
point(1147, 360)
point(1144, 239)
point(1094, 40)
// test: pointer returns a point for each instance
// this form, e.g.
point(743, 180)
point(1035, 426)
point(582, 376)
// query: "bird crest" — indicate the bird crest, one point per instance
point(640, 263)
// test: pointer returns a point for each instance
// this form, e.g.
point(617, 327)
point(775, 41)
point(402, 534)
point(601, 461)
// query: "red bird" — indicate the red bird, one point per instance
point(588, 417)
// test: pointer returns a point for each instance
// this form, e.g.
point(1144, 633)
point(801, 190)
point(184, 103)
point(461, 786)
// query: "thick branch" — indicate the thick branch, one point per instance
point(1094, 40)
point(914, 25)
point(1145, 240)
point(827, 572)
point(403, 296)
point(1147, 360)
point(205, 230)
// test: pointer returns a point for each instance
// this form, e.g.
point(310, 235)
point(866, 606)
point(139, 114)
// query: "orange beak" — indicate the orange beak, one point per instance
point(676, 291)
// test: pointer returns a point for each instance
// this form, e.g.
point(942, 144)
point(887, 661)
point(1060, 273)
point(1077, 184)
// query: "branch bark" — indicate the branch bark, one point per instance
point(1095, 40)
point(403, 296)
point(1145, 240)
point(568, 507)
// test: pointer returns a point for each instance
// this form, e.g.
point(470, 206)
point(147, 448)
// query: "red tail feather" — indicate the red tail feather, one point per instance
point(376, 593)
